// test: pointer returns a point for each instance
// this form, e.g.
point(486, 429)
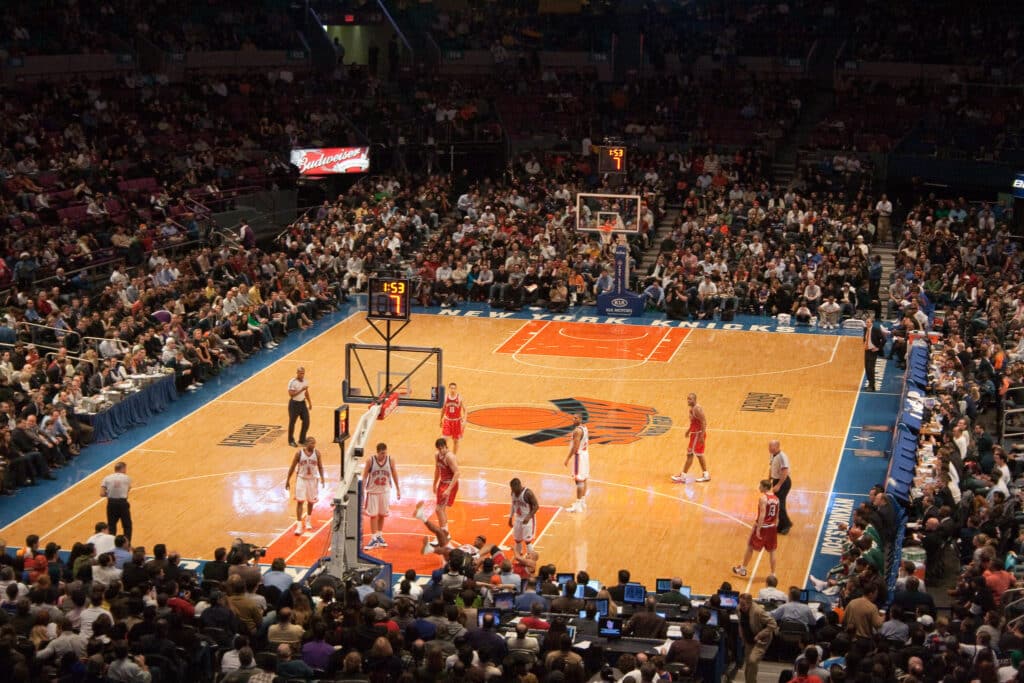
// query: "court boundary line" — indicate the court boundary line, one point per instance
point(180, 419)
point(831, 487)
point(529, 337)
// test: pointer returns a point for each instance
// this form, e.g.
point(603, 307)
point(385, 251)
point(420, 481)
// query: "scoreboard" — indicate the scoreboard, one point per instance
point(611, 159)
point(389, 299)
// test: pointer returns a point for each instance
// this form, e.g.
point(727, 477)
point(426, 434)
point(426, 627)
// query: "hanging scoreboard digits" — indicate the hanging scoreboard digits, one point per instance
point(611, 160)
point(389, 299)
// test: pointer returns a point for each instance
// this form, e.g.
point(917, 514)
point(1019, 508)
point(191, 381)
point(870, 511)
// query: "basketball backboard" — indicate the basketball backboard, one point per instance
point(619, 213)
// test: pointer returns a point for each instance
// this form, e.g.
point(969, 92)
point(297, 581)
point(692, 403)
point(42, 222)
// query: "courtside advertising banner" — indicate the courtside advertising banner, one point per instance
point(331, 160)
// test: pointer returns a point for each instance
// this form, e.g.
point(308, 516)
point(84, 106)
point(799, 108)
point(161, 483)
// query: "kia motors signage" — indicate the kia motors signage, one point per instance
point(1018, 186)
point(331, 160)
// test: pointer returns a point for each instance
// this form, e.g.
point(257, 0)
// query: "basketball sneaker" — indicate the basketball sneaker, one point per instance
point(428, 547)
point(298, 528)
point(424, 509)
point(575, 507)
point(678, 478)
point(704, 477)
point(309, 524)
point(374, 543)
point(739, 570)
point(381, 542)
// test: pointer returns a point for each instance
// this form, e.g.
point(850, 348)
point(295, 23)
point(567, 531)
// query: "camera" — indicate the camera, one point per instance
point(244, 553)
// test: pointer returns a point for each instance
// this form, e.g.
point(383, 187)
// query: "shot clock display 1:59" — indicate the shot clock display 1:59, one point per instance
point(389, 299)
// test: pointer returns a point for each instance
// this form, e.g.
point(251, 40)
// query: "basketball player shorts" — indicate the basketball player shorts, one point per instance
point(696, 444)
point(377, 504)
point(446, 492)
point(452, 429)
point(581, 468)
point(523, 533)
point(306, 490)
point(769, 539)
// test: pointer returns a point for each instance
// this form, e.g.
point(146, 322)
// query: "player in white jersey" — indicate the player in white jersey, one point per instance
point(579, 455)
point(379, 475)
point(522, 516)
point(305, 465)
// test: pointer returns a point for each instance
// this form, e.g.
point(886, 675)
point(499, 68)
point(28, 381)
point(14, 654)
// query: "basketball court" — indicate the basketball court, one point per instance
point(218, 472)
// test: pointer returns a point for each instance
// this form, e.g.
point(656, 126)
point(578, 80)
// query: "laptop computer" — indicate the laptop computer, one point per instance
point(481, 613)
point(610, 628)
point(729, 599)
point(662, 586)
point(634, 594)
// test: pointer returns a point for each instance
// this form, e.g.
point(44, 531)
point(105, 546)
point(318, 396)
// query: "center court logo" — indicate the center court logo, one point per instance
point(608, 422)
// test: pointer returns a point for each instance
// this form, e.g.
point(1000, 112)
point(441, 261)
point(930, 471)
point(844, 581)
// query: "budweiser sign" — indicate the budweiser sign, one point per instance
point(331, 160)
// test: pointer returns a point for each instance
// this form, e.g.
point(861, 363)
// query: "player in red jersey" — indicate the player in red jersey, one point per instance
point(765, 533)
point(446, 481)
point(697, 431)
point(453, 416)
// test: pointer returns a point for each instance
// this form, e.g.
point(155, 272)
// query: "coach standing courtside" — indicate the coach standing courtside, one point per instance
point(299, 404)
point(874, 340)
point(115, 488)
point(778, 472)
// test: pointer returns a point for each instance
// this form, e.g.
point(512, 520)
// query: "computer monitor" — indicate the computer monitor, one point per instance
point(601, 607)
point(685, 591)
point(582, 614)
point(594, 584)
point(634, 594)
point(484, 612)
point(610, 628)
point(729, 599)
point(506, 602)
point(581, 591)
point(713, 621)
point(662, 586)
point(563, 578)
point(805, 596)
point(571, 630)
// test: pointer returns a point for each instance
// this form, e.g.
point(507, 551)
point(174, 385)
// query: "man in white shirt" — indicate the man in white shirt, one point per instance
point(771, 592)
point(102, 540)
point(884, 210)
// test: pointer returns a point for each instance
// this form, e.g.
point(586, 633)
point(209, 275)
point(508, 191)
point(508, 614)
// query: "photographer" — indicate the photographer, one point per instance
point(677, 305)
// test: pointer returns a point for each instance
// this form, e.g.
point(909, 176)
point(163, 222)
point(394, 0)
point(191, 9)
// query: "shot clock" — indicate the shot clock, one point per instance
point(611, 160)
point(341, 423)
point(389, 299)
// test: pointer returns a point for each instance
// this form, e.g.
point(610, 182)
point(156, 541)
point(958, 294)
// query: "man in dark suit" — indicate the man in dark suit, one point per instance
point(874, 340)
point(912, 597)
point(646, 623)
point(616, 592)
point(567, 603)
point(673, 596)
point(26, 441)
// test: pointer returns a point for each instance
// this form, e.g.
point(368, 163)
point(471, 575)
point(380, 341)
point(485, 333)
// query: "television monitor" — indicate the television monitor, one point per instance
point(506, 602)
point(729, 599)
point(484, 612)
point(634, 594)
point(563, 578)
point(662, 586)
point(610, 628)
point(318, 161)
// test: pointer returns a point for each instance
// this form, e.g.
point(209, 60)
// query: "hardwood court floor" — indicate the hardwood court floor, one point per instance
point(218, 473)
